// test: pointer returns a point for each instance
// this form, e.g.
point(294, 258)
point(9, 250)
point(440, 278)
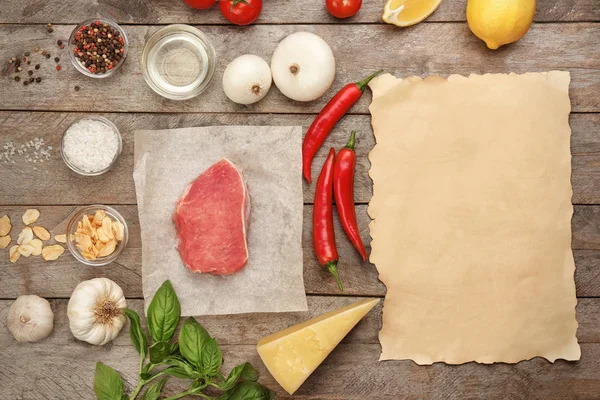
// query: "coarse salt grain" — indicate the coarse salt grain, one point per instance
point(90, 145)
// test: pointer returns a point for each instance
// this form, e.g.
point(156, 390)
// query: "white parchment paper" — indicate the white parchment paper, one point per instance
point(166, 161)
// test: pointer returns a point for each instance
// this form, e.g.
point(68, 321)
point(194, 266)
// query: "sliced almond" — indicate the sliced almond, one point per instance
point(88, 256)
point(61, 238)
point(119, 230)
point(4, 241)
point(108, 248)
point(41, 232)
point(84, 242)
point(5, 225)
point(31, 215)
point(101, 235)
point(25, 236)
point(87, 226)
point(99, 216)
point(26, 250)
point(37, 245)
point(107, 227)
point(50, 253)
point(14, 253)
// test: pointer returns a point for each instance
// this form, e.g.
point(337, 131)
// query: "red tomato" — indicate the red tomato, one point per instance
point(343, 8)
point(240, 12)
point(200, 4)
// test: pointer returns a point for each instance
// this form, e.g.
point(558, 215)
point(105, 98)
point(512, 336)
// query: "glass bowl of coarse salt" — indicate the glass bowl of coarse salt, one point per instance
point(91, 145)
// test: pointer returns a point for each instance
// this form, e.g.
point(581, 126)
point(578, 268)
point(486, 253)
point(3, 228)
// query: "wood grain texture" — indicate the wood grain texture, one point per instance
point(57, 279)
point(274, 12)
point(53, 183)
point(440, 49)
point(64, 366)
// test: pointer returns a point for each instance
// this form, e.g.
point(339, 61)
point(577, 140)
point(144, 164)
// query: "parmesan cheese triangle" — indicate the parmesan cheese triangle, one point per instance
point(292, 355)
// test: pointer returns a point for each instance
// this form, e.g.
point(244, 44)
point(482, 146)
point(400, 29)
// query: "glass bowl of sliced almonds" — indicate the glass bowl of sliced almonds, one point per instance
point(96, 235)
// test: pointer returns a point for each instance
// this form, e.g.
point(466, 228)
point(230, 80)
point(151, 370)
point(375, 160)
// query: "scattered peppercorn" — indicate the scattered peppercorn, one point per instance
point(37, 66)
point(44, 52)
point(36, 49)
point(77, 88)
point(50, 30)
point(48, 55)
point(49, 25)
point(26, 83)
point(24, 59)
point(59, 42)
point(98, 47)
point(17, 78)
point(58, 67)
point(27, 54)
point(28, 62)
point(56, 59)
point(30, 73)
point(31, 80)
point(62, 46)
point(38, 79)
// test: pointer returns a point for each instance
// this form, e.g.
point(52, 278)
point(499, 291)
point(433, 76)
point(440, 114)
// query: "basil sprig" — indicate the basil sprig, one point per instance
point(195, 357)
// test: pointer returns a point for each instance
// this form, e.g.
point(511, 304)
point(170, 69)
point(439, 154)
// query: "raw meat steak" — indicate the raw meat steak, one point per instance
point(211, 219)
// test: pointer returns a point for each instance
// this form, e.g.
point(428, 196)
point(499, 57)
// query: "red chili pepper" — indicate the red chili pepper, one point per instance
point(337, 107)
point(343, 190)
point(323, 235)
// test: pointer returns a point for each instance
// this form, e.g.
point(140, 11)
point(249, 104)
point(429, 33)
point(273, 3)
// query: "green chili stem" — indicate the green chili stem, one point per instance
point(362, 84)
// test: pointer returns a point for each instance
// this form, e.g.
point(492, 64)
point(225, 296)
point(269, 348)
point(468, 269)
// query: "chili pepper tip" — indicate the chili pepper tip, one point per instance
point(332, 268)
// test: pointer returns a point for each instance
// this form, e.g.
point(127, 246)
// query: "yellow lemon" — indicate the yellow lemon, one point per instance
point(408, 12)
point(499, 22)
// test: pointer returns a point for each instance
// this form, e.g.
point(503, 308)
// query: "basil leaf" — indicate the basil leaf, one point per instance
point(181, 369)
point(159, 351)
point(211, 357)
point(108, 384)
point(247, 390)
point(192, 338)
point(244, 372)
point(198, 385)
point(163, 313)
point(154, 390)
point(138, 337)
point(175, 349)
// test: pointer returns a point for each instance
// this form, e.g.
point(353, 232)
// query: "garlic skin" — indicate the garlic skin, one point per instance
point(247, 79)
point(94, 311)
point(303, 66)
point(30, 318)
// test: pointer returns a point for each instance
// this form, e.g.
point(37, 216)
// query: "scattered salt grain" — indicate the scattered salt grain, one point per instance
point(90, 145)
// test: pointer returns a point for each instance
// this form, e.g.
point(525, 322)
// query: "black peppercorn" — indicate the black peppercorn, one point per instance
point(17, 78)
point(38, 79)
point(31, 80)
point(26, 83)
point(37, 66)
point(47, 55)
point(29, 73)
point(77, 88)
point(56, 59)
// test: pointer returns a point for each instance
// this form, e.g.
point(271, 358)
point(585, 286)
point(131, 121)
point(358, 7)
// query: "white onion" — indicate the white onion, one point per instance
point(247, 79)
point(303, 66)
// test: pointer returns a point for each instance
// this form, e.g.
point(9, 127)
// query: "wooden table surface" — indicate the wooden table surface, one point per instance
point(565, 36)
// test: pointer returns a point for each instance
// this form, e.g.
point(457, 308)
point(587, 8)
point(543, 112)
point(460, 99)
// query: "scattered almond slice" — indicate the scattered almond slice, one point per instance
point(119, 230)
point(25, 236)
point(31, 215)
point(26, 250)
point(50, 253)
point(5, 225)
point(37, 245)
point(4, 241)
point(61, 238)
point(14, 253)
point(41, 232)
point(108, 248)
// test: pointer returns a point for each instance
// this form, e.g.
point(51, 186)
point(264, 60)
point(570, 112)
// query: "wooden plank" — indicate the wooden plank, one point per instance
point(434, 49)
point(58, 279)
point(53, 183)
point(274, 12)
point(64, 366)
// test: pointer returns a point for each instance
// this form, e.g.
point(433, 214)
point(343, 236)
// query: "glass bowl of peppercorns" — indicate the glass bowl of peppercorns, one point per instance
point(98, 47)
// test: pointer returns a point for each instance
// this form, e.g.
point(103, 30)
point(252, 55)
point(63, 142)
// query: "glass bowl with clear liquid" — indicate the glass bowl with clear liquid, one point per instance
point(178, 62)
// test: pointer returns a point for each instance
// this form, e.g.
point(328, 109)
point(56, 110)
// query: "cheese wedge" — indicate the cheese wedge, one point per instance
point(292, 354)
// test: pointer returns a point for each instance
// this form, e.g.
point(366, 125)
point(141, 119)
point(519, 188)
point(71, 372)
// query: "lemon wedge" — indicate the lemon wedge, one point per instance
point(408, 12)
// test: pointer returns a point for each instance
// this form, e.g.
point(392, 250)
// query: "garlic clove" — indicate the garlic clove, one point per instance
point(30, 318)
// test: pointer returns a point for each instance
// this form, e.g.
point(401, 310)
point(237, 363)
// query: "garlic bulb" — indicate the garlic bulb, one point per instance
point(94, 311)
point(30, 318)
point(247, 79)
point(303, 66)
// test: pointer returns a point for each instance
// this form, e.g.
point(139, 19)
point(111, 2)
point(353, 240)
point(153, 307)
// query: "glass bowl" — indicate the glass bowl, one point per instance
point(94, 173)
point(72, 228)
point(76, 61)
point(178, 62)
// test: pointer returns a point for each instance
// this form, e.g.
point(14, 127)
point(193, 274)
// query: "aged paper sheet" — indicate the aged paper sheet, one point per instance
point(471, 217)
point(270, 160)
